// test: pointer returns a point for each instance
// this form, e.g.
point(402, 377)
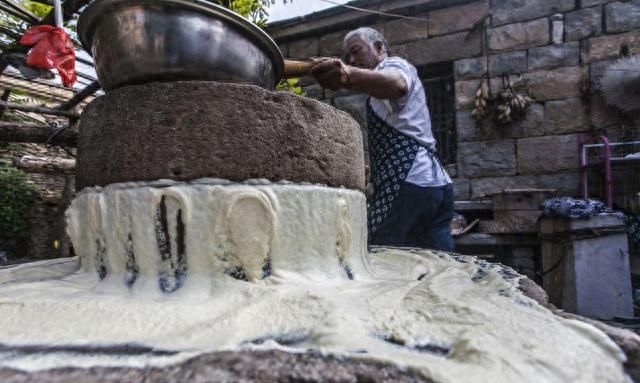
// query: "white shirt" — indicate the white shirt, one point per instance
point(410, 115)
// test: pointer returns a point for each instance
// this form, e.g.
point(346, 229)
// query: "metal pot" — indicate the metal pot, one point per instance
point(139, 41)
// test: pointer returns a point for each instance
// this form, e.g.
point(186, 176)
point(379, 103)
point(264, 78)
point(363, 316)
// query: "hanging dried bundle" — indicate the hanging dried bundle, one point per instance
point(481, 101)
point(507, 106)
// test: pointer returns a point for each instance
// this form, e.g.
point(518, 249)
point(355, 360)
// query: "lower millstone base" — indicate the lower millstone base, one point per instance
point(444, 316)
point(241, 366)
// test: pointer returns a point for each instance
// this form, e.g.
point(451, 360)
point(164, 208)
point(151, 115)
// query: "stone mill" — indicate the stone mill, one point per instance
point(220, 233)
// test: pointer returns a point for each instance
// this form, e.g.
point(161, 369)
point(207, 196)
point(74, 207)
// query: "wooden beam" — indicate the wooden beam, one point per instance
point(38, 109)
point(15, 132)
point(78, 98)
point(84, 61)
point(10, 33)
point(34, 164)
point(462, 206)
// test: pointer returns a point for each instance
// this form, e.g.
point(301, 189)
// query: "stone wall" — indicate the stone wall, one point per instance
point(559, 47)
point(46, 215)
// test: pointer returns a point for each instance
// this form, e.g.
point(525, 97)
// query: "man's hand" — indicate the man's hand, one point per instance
point(331, 73)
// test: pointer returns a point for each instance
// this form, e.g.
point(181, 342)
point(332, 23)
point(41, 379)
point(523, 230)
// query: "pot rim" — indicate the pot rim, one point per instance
point(94, 11)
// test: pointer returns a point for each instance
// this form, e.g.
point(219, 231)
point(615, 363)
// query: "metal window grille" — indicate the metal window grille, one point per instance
point(439, 88)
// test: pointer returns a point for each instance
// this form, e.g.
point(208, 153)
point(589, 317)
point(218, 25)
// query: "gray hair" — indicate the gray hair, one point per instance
point(370, 36)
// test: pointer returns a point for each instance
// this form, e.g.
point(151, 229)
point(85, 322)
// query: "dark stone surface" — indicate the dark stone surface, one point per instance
point(533, 291)
point(554, 56)
point(610, 46)
point(509, 11)
point(244, 366)
point(461, 189)
point(189, 130)
point(470, 68)
point(303, 49)
point(519, 36)
point(596, 72)
point(465, 93)
point(508, 63)
point(402, 30)
point(566, 116)
point(555, 84)
point(355, 105)
point(583, 23)
point(564, 183)
point(531, 125)
point(331, 43)
point(622, 16)
point(466, 127)
point(591, 3)
point(548, 154)
point(454, 19)
point(488, 158)
point(443, 48)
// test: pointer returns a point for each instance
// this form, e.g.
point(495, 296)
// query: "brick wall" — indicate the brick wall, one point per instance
point(560, 47)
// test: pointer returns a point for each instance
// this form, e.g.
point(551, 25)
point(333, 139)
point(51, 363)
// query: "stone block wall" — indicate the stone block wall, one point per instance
point(46, 215)
point(560, 48)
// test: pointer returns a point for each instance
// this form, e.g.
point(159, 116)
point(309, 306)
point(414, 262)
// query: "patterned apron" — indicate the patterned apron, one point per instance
point(391, 155)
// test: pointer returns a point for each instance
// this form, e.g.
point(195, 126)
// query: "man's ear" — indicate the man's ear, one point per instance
point(379, 47)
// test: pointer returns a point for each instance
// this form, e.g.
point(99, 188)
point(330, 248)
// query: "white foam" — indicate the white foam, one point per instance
point(455, 319)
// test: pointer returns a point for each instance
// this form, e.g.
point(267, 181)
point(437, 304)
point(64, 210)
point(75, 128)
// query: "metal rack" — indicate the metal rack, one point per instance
point(611, 160)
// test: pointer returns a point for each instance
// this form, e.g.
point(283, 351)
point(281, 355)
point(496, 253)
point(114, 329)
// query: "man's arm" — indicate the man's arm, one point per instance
point(334, 74)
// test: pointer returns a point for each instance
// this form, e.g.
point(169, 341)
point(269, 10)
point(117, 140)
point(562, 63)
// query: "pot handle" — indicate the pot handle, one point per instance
point(296, 68)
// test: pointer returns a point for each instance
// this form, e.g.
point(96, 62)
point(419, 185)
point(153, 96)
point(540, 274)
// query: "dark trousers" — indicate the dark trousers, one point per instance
point(419, 217)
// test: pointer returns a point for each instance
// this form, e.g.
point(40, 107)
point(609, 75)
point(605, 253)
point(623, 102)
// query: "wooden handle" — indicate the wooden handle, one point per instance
point(296, 68)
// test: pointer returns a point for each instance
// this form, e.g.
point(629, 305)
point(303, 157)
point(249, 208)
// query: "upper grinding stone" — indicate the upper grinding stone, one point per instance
point(193, 129)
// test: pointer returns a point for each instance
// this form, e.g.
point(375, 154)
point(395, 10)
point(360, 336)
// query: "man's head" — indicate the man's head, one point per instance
point(365, 48)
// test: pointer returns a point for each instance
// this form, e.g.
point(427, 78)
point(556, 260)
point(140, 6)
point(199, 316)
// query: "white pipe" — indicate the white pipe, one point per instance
point(57, 9)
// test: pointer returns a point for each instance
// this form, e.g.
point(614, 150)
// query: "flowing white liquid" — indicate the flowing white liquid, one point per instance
point(455, 319)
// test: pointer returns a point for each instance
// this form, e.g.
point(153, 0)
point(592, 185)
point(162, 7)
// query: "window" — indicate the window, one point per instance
point(440, 91)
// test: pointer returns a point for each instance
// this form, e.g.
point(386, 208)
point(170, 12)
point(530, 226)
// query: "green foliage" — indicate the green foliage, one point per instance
point(18, 26)
point(290, 85)
point(254, 10)
point(38, 9)
point(16, 197)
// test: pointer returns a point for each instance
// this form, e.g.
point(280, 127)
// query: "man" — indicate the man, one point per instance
point(412, 203)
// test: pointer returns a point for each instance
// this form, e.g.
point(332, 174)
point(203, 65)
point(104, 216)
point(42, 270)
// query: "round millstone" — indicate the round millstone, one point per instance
point(232, 366)
point(194, 129)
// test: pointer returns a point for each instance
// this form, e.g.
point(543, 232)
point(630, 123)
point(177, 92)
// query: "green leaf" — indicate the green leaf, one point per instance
point(16, 197)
